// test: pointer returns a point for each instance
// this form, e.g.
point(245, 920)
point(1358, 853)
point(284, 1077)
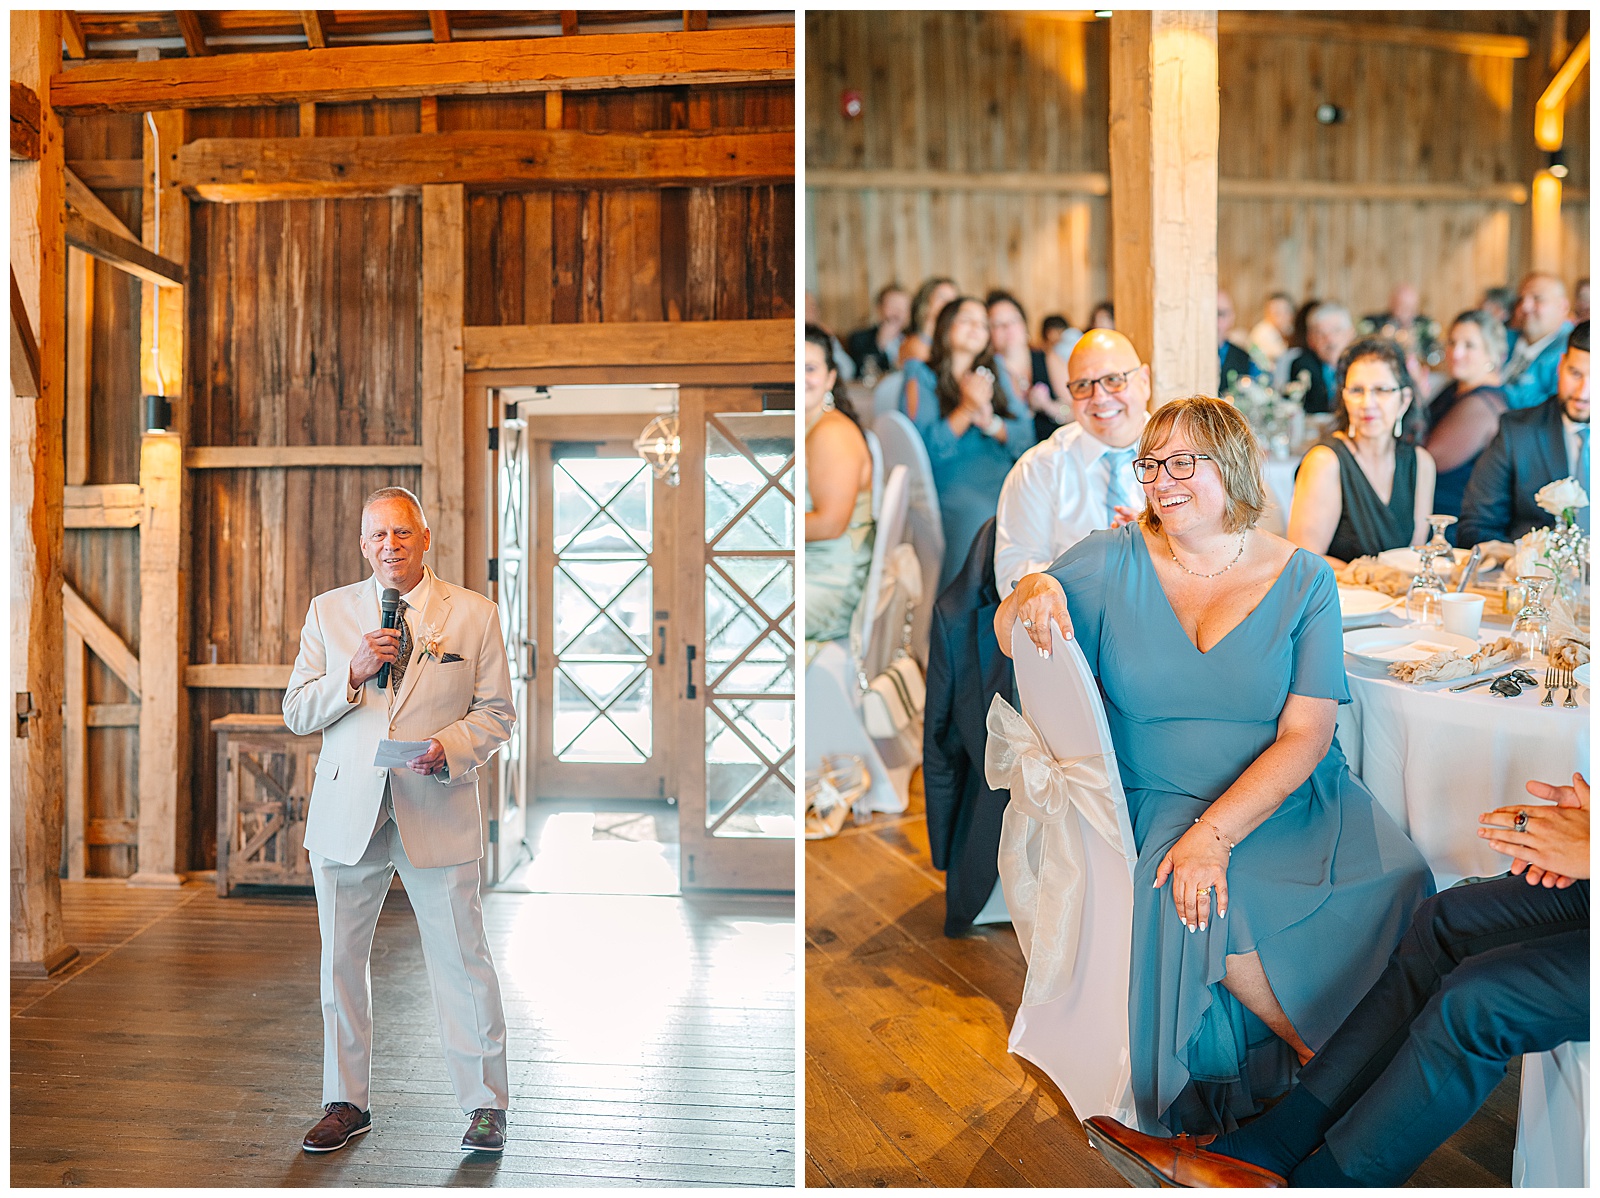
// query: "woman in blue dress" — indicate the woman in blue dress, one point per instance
point(972, 423)
point(1270, 887)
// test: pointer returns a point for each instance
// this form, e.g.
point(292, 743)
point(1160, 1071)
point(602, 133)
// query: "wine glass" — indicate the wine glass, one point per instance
point(1531, 627)
point(1441, 547)
point(1424, 595)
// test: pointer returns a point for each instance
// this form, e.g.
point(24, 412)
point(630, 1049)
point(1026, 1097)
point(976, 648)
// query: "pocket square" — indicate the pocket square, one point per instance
point(448, 658)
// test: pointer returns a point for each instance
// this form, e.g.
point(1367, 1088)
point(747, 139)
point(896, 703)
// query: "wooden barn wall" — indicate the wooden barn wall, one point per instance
point(977, 93)
point(102, 565)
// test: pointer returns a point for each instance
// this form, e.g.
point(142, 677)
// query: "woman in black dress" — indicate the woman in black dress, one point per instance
point(1464, 417)
point(1037, 375)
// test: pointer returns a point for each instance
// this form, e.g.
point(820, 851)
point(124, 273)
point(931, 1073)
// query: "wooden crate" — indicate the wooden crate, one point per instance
point(264, 775)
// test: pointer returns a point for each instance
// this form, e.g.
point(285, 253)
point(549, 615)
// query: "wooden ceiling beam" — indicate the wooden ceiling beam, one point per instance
point(120, 252)
point(569, 22)
point(24, 347)
point(439, 23)
point(1266, 24)
point(694, 20)
point(352, 73)
point(72, 35)
point(84, 201)
point(194, 38)
point(311, 21)
point(229, 170)
point(662, 343)
point(24, 123)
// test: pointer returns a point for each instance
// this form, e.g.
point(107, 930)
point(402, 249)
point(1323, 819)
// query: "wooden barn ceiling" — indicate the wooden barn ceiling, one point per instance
point(197, 32)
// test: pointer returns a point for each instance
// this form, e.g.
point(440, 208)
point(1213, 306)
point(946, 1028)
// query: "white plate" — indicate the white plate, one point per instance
point(1581, 674)
point(1408, 560)
point(1358, 601)
point(1382, 646)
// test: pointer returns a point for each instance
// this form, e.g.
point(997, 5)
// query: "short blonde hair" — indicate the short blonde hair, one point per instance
point(1218, 430)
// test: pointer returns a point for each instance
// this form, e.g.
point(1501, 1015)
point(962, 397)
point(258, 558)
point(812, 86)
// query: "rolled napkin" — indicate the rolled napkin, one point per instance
point(1369, 572)
point(1045, 900)
point(1569, 654)
point(1451, 664)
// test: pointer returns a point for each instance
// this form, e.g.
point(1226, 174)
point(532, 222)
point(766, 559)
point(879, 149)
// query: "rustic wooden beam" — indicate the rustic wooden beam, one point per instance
point(428, 114)
point(694, 20)
point(552, 110)
point(643, 343)
point(443, 387)
point(90, 206)
point(250, 169)
point(1549, 114)
point(108, 174)
point(1093, 183)
point(308, 119)
point(162, 701)
point(1263, 24)
point(194, 37)
point(1317, 189)
point(114, 833)
point(349, 73)
point(1164, 136)
point(24, 347)
point(439, 24)
point(311, 20)
point(122, 253)
point(105, 505)
point(163, 310)
point(98, 635)
point(80, 328)
point(113, 715)
point(75, 750)
point(24, 123)
point(72, 35)
point(569, 22)
point(38, 465)
point(256, 457)
point(238, 677)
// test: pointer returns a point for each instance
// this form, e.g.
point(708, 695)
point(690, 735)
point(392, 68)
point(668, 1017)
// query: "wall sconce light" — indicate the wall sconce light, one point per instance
point(1556, 163)
point(1102, 13)
point(157, 414)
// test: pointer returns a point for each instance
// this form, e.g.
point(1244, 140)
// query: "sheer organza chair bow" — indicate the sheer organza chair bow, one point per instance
point(1066, 865)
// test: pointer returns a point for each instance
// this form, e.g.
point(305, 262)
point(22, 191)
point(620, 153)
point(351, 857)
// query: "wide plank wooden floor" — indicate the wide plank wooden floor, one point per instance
point(908, 1081)
point(651, 1040)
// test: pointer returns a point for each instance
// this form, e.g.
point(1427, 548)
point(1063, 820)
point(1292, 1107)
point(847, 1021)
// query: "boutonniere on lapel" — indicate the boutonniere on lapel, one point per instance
point(428, 641)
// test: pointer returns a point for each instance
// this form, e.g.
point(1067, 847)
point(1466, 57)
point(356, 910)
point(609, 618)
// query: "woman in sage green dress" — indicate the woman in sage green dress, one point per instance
point(839, 525)
point(1270, 887)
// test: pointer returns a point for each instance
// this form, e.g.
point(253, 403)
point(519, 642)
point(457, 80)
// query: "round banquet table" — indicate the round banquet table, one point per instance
point(1436, 761)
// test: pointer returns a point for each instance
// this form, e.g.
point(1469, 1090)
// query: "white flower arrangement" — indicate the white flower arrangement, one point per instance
point(1565, 495)
point(429, 639)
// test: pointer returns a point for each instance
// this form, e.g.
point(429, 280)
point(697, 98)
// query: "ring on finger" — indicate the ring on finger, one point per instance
point(1521, 822)
point(1027, 623)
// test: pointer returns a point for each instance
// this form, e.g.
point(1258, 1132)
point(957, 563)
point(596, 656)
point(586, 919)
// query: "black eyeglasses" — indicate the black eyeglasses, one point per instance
point(1113, 383)
point(1179, 466)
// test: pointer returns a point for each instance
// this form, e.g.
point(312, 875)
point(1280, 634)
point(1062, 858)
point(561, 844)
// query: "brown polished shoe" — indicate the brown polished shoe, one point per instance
point(336, 1128)
point(486, 1132)
point(1178, 1162)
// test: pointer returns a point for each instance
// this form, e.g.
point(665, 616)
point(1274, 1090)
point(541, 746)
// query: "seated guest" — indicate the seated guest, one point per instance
point(1103, 316)
point(1500, 303)
point(1233, 361)
point(1365, 486)
point(880, 343)
point(1039, 377)
point(1080, 479)
point(1059, 336)
point(965, 671)
point(1269, 339)
point(1219, 654)
point(931, 297)
point(974, 426)
point(1532, 448)
point(1529, 377)
point(1329, 332)
point(1464, 417)
point(839, 525)
point(1485, 973)
point(1404, 324)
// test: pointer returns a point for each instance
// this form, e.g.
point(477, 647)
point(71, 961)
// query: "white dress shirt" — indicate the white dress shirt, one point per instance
point(1054, 497)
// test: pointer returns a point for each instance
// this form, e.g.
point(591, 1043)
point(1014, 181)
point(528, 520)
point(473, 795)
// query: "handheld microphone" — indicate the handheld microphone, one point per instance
point(390, 602)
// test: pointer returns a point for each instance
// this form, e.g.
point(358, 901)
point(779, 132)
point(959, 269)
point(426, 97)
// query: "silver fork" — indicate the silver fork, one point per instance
point(1569, 682)
point(1549, 685)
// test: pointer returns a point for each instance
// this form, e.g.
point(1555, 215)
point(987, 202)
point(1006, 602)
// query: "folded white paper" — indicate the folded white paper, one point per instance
point(399, 752)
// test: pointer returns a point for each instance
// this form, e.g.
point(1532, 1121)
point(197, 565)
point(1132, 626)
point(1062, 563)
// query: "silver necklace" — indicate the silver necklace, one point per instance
point(1224, 569)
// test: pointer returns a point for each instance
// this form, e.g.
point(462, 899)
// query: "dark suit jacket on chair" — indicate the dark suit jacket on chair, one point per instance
point(965, 670)
point(1528, 452)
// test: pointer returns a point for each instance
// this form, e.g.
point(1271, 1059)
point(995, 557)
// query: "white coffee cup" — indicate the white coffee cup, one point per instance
point(1462, 613)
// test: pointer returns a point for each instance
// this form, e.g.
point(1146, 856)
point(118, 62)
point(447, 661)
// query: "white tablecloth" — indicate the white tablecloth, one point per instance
point(1436, 761)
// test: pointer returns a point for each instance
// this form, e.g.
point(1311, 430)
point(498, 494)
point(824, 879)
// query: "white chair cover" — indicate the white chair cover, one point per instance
point(1066, 864)
point(1553, 1120)
point(886, 395)
point(902, 446)
point(875, 450)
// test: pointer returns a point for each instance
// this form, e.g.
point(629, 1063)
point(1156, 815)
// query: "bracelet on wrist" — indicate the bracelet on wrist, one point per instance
point(1217, 832)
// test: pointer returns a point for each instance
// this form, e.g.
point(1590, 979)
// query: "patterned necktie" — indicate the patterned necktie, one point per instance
point(1117, 461)
point(1583, 455)
point(397, 671)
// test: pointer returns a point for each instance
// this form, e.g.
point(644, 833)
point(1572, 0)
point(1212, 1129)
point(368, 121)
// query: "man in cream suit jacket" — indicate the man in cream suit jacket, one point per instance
point(449, 686)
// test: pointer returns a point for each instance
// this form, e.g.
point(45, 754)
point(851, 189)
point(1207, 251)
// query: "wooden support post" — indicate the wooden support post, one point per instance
point(1544, 214)
point(311, 20)
point(439, 24)
point(552, 110)
point(162, 324)
point(443, 395)
point(162, 706)
point(308, 119)
point(72, 34)
point(1164, 125)
point(428, 114)
point(80, 326)
point(194, 37)
point(569, 22)
point(75, 710)
point(38, 260)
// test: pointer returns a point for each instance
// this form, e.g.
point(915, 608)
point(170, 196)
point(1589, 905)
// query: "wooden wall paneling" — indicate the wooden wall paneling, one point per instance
point(673, 252)
point(443, 266)
point(162, 718)
point(80, 334)
point(75, 752)
point(591, 233)
point(566, 296)
point(538, 234)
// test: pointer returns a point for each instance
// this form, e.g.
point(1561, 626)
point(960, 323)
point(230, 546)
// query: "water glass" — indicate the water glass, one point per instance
point(1531, 627)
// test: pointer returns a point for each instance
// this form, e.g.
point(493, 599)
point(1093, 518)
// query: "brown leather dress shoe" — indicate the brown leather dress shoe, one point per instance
point(486, 1132)
point(1178, 1162)
point(342, 1122)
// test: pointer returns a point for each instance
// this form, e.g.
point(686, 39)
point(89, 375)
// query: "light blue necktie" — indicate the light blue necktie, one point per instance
point(1117, 461)
point(1583, 455)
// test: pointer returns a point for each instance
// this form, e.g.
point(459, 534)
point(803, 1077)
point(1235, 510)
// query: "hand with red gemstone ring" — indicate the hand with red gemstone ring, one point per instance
point(1553, 844)
point(430, 762)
